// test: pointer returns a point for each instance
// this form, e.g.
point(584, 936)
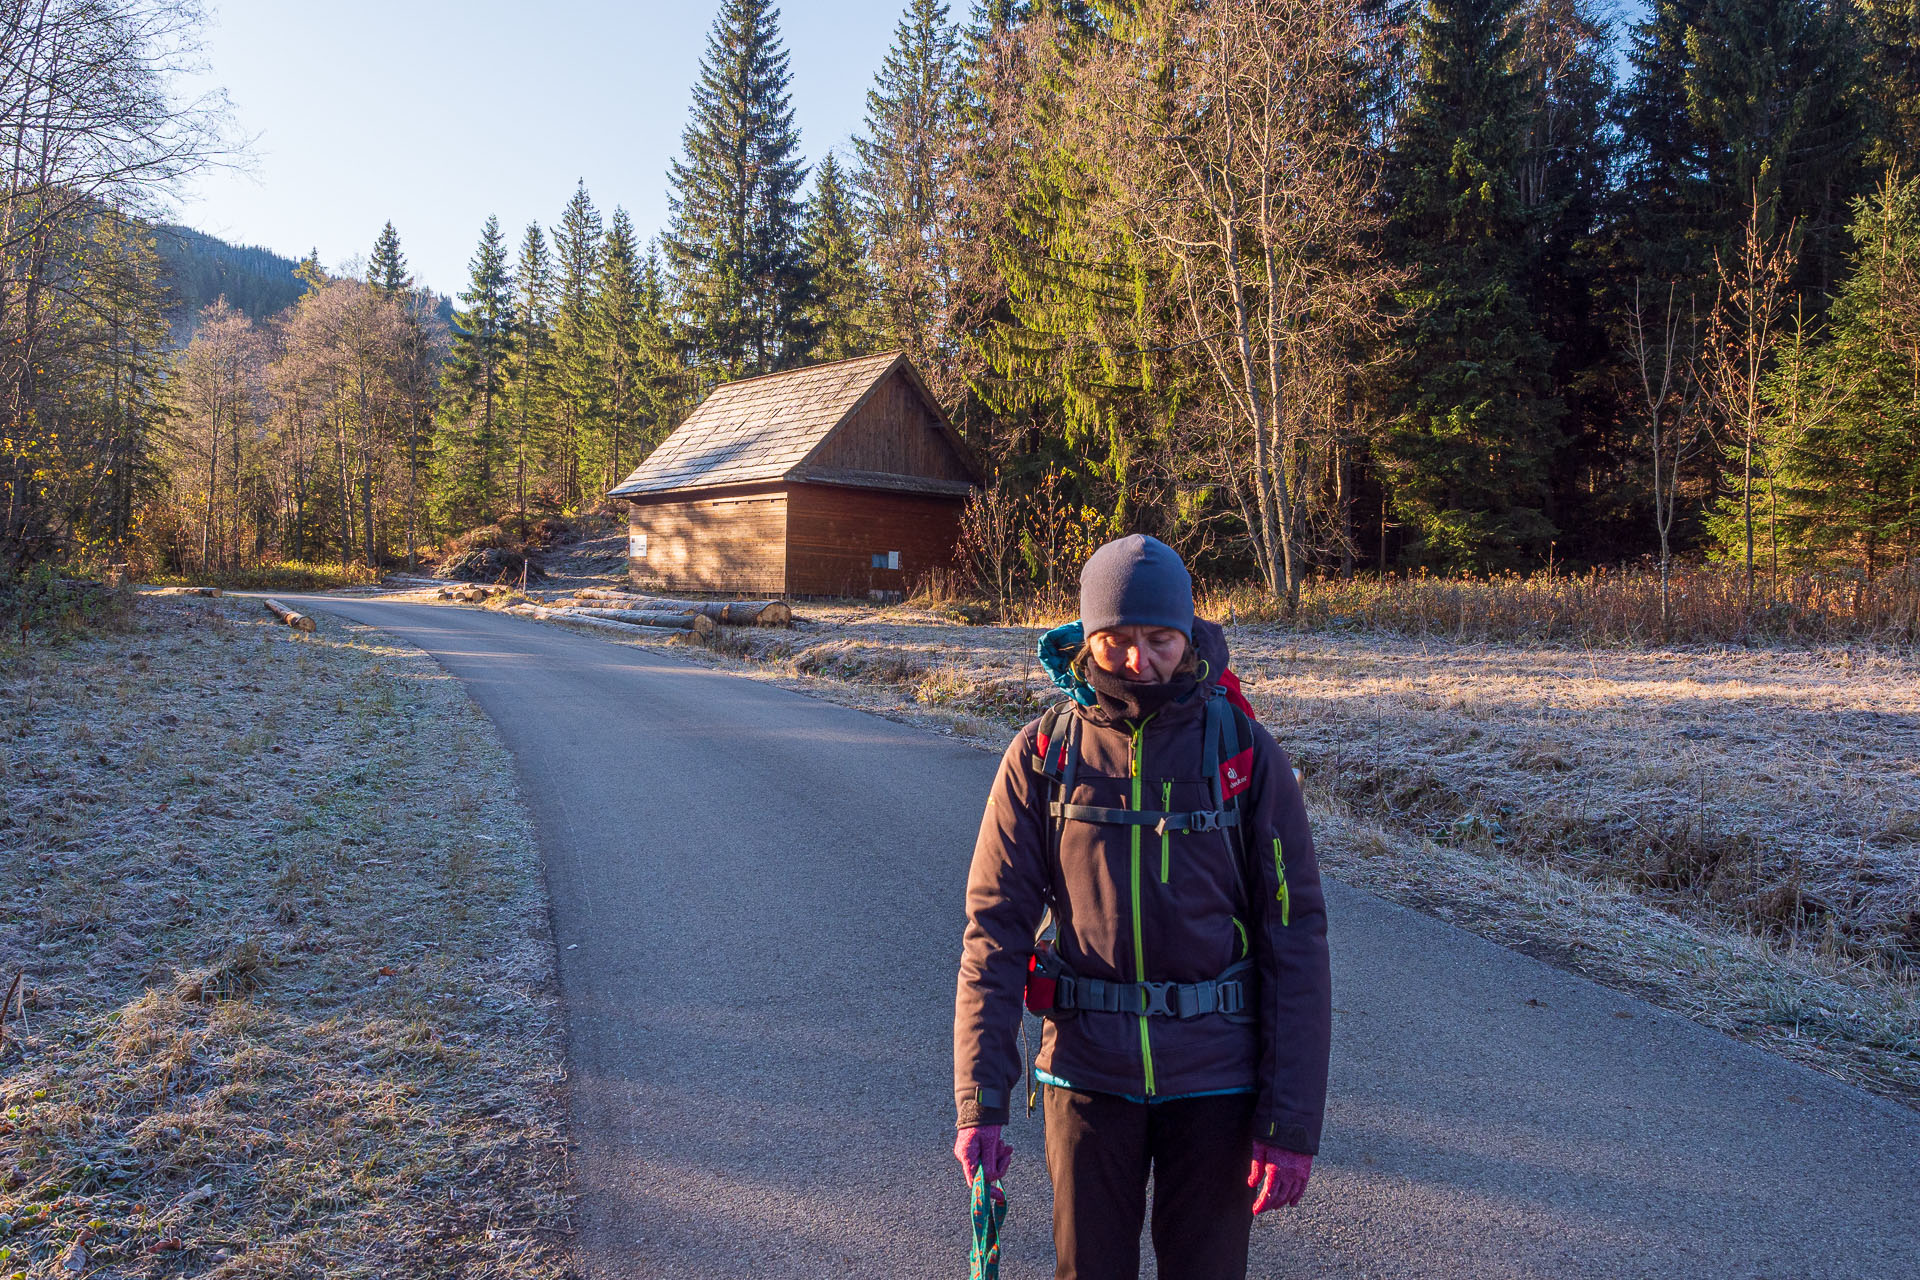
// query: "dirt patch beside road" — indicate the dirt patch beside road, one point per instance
point(288, 992)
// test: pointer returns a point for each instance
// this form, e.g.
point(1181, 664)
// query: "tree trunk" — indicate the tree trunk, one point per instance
point(366, 509)
point(1746, 500)
point(299, 496)
point(1343, 493)
point(213, 472)
point(233, 453)
point(413, 490)
point(346, 498)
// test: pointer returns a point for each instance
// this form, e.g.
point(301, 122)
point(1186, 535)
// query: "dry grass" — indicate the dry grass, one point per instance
point(1707, 605)
point(1607, 608)
point(274, 575)
point(288, 988)
point(1734, 833)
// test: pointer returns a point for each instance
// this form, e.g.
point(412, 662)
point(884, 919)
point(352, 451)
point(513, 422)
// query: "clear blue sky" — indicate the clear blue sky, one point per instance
point(435, 113)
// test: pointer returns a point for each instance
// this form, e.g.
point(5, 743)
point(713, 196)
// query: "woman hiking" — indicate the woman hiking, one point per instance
point(1190, 999)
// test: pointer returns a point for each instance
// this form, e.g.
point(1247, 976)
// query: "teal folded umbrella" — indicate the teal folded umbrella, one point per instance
point(988, 1213)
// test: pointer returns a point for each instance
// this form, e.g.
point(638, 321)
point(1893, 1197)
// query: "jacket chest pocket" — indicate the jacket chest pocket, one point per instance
point(1093, 853)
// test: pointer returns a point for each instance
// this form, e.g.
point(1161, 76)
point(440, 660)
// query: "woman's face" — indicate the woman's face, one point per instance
point(1147, 654)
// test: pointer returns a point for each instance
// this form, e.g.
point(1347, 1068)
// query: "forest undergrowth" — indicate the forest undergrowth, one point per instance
point(1730, 832)
point(285, 1001)
point(274, 575)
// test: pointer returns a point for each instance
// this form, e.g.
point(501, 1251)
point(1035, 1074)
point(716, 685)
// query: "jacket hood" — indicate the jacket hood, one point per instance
point(1057, 647)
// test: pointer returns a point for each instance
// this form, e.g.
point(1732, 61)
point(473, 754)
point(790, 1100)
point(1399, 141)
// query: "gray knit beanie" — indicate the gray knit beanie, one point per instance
point(1136, 581)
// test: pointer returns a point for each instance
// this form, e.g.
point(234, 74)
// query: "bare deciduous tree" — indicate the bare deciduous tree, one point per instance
point(1670, 395)
point(218, 391)
point(1739, 349)
point(88, 121)
point(1227, 133)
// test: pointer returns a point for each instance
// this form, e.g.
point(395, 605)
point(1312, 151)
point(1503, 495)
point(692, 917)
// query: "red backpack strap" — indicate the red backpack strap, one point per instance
point(1231, 683)
point(1051, 747)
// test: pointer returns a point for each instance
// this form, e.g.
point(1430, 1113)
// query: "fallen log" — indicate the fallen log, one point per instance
point(751, 613)
point(627, 628)
point(733, 613)
point(694, 622)
point(608, 593)
point(298, 621)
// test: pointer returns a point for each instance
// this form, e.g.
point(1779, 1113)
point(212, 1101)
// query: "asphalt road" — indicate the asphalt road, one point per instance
point(757, 900)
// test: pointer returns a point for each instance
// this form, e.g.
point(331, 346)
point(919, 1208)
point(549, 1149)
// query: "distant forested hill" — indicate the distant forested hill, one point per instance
point(201, 268)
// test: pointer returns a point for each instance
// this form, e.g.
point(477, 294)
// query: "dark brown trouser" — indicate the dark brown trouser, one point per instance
point(1099, 1150)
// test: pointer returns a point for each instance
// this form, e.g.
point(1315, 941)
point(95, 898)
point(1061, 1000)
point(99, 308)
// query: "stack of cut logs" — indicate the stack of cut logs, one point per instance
point(470, 593)
point(629, 611)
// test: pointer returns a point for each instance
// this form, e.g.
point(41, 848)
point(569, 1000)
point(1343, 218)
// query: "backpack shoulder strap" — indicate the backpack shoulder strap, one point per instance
point(1050, 745)
point(1228, 760)
point(1056, 757)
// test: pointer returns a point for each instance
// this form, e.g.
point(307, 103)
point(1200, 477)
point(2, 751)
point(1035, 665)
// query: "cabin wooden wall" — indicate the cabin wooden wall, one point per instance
point(728, 543)
point(833, 534)
point(893, 432)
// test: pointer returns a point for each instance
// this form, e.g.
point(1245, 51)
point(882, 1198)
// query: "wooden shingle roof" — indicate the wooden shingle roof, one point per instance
point(762, 429)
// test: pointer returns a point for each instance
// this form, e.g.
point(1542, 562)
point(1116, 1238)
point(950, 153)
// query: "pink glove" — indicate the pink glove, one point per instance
point(983, 1145)
point(1279, 1175)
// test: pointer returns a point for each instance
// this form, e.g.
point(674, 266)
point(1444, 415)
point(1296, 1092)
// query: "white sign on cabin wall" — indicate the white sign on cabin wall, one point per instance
point(637, 546)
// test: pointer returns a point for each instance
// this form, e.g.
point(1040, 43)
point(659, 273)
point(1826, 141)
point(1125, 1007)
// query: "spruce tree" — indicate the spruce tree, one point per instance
point(1891, 29)
point(904, 176)
point(664, 393)
point(387, 268)
point(1732, 101)
point(739, 267)
point(1468, 452)
point(1061, 310)
point(840, 314)
point(1845, 455)
point(578, 367)
point(473, 380)
point(1667, 205)
point(312, 276)
point(635, 353)
point(1565, 62)
point(529, 385)
point(387, 275)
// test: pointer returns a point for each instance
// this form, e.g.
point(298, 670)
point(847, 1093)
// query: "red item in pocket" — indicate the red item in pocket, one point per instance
point(1041, 979)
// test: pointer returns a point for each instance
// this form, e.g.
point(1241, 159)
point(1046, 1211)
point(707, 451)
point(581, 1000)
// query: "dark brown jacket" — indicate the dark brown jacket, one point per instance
point(1137, 906)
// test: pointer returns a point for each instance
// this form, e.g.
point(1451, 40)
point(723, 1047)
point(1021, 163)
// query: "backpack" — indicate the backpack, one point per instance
point(1227, 763)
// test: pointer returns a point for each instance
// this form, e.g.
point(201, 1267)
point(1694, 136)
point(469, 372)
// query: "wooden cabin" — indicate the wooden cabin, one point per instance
point(839, 479)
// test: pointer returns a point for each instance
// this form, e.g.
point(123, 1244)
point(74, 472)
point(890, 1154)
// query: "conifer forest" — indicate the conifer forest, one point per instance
point(1312, 289)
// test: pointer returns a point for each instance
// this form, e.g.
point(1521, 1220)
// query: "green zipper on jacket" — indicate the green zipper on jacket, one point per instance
point(1280, 873)
point(1166, 837)
point(1139, 937)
